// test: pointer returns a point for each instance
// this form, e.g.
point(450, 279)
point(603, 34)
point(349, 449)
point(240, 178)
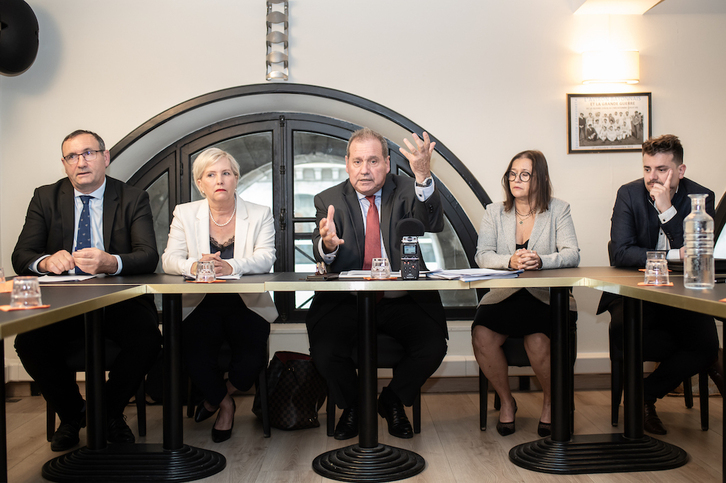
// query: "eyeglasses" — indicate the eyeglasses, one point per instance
point(89, 155)
point(524, 176)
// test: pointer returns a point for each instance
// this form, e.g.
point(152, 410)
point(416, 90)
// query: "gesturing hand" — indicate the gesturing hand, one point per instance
point(328, 233)
point(419, 156)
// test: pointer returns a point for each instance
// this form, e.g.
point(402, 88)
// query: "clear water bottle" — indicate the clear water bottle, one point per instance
point(698, 267)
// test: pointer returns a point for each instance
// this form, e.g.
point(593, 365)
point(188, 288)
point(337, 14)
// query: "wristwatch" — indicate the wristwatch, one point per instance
point(427, 182)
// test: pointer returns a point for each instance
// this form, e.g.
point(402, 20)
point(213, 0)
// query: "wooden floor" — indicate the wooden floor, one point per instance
point(451, 442)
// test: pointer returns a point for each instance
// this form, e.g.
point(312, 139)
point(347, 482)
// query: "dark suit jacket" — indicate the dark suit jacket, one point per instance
point(398, 201)
point(635, 225)
point(128, 227)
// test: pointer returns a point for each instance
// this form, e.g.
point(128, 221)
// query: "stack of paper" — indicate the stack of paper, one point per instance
point(473, 274)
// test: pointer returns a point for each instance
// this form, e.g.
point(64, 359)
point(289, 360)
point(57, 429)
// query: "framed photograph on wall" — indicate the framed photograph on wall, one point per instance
point(601, 123)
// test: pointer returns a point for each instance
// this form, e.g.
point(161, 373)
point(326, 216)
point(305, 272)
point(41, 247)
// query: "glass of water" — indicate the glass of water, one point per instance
point(380, 268)
point(656, 268)
point(26, 292)
point(205, 272)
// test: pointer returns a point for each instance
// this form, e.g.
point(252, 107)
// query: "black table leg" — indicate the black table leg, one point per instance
point(95, 380)
point(173, 461)
point(596, 453)
point(368, 460)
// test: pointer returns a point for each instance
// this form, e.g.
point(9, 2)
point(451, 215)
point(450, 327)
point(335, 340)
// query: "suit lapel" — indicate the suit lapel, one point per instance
point(350, 197)
point(510, 220)
point(389, 189)
point(110, 205)
point(68, 210)
point(540, 221)
point(242, 226)
point(202, 228)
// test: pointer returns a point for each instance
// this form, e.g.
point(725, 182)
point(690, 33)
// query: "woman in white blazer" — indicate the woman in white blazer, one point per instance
point(239, 237)
point(530, 230)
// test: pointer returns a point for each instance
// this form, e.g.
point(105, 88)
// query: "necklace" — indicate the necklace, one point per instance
point(230, 218)
point(523, 217)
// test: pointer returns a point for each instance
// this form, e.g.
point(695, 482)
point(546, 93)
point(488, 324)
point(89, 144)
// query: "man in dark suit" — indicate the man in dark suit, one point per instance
point(356, 221)
point(89, 223)
point(648, 215)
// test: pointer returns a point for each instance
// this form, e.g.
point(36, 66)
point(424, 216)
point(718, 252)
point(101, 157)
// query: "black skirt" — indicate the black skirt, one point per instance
point(518, 315)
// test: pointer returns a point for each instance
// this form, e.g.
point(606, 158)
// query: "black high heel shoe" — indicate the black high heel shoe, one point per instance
point(505, 429)
point(220, 435)
point(203, 413)
point(544, 429)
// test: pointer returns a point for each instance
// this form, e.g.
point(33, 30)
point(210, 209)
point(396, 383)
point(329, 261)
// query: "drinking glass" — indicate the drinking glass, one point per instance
point(205, 272)
point(381, 268)
point(656, 268)
point(26, 292)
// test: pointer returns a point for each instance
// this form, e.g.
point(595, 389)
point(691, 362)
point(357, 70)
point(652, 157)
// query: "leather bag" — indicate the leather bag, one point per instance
point(295, 392)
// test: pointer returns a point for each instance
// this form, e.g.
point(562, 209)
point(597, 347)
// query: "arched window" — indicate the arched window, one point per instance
point(285, 159)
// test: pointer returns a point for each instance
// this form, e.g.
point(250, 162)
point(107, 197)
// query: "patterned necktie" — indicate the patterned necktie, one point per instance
point(373, 234)
point(83, 238)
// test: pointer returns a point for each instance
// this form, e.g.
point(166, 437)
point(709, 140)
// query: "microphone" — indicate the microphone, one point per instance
point(409, 229)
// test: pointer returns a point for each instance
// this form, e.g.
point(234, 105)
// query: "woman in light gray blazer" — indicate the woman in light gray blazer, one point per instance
point(530, 230)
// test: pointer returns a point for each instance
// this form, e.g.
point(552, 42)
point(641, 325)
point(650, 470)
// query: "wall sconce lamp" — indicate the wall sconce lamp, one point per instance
point(611, 66)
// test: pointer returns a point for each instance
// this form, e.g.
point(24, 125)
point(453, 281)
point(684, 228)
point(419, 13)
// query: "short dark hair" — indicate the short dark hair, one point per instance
point(667, 143)
point(540, 188)
point(366, 133)
point(78, 132)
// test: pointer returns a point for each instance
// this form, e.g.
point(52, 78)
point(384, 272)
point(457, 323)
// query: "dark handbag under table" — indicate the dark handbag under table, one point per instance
point(295, 392)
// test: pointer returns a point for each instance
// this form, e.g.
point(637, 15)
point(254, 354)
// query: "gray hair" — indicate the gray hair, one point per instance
point(364, 134)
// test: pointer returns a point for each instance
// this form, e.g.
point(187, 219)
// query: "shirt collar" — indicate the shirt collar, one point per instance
point(96, 194)
point(377, 194)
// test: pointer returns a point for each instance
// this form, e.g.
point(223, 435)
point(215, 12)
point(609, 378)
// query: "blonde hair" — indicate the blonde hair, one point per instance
point(209, 157)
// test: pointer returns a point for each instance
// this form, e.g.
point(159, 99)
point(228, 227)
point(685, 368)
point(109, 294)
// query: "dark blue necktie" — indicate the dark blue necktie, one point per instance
point(83, 239)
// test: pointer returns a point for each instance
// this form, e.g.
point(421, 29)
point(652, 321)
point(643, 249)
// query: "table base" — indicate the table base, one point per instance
point(598, 453)
point(134, 462)
point(382, 463)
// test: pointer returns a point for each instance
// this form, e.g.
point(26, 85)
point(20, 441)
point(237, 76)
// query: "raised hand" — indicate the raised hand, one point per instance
point(419, 156)
point(328, 233)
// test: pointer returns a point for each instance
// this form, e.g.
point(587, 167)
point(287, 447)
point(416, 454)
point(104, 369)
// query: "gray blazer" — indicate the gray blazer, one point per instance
point(553, 238)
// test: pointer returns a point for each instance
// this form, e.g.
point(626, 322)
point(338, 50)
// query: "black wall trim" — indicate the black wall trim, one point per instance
point(302, 89)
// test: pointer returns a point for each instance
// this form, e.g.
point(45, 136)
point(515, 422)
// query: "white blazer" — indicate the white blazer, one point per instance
point(254, 248)
point(553, 238)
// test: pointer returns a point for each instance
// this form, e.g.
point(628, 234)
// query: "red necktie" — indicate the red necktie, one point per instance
point(373, 234)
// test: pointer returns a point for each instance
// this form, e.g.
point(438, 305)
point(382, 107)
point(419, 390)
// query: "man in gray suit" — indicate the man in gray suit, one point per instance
point(356, 221)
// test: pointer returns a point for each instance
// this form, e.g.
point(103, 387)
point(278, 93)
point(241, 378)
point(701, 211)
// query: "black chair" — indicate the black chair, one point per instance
point(616, 385)
point(76, 360)
point(225, 358)
point(516, 356)
point(390, 354)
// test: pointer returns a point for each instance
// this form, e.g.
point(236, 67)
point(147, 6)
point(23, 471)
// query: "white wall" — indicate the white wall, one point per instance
point(488, 78)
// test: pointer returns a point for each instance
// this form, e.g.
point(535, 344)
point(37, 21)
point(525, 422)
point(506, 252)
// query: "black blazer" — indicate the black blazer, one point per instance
point(128, 226)
point(398, 201)
point(635, 225)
